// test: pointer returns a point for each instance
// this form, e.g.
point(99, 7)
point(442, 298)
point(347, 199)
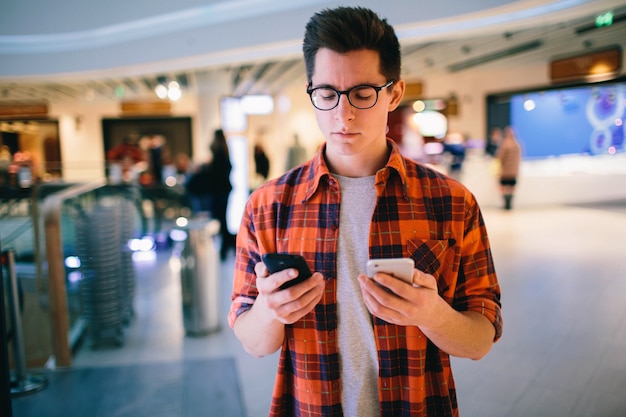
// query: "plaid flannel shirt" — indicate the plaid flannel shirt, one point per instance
point(419, 214)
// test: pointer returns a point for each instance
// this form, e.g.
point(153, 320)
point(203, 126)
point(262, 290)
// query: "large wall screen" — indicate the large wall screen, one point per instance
point(581, 120)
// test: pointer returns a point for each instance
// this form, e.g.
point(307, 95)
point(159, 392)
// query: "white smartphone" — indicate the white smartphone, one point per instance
point(401, 268)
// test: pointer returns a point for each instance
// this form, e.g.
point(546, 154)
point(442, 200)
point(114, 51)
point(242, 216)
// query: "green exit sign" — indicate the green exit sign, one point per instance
point(605, 19)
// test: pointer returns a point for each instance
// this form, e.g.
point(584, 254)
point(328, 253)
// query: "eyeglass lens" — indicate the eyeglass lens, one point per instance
point(361, 97)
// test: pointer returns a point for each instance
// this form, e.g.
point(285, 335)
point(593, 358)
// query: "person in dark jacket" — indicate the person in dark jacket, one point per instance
point(261, 161)
point(220, 188)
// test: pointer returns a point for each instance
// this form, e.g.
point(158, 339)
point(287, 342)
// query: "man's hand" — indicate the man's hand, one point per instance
point(466, 334)
point(261, 329)
point(398, 302)
point(290, 304)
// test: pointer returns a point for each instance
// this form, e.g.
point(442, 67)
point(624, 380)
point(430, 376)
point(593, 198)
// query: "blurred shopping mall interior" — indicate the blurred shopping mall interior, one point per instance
point(115, 296)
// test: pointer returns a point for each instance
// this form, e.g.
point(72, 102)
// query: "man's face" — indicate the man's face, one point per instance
point(352, 132)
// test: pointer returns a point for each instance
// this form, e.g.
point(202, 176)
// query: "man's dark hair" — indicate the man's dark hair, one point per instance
point(346, 29)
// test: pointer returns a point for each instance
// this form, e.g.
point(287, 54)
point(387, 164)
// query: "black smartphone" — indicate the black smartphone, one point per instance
point(278, 261)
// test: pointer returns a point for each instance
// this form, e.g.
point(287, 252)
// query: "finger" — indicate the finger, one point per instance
point(303, 299)
point(377, 290)
point(306, 285)
point(268, 283)
point(389, 283)
point(377, 300)
point(261, 270)
point(422, 279)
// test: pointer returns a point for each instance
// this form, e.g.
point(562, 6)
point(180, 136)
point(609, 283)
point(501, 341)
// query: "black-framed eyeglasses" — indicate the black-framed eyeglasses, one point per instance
point(362, 96)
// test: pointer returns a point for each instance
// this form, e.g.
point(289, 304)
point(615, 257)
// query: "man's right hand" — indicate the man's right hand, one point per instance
point(261, 329)
point(290, 304)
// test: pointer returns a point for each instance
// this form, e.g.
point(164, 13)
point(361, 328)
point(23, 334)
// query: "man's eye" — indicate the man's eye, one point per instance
point(363, 94)
point(327, 95)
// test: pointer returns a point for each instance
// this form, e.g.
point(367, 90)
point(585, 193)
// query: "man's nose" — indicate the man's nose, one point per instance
point(344, 108)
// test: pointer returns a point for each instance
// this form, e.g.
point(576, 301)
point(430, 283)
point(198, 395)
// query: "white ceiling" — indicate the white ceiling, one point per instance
point(262, 59)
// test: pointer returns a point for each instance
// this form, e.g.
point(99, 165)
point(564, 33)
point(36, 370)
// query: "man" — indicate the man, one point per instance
point(353, 345)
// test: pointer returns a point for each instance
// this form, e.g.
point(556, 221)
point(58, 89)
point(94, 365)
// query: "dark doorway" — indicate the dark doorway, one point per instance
point(498, 111)
point(173, 132)
point(35, 144)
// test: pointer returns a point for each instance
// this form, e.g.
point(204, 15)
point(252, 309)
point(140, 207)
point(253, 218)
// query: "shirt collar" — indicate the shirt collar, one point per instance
point(319, 169)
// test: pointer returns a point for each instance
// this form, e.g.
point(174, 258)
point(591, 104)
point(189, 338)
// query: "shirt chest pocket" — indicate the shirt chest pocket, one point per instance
point(437, 258)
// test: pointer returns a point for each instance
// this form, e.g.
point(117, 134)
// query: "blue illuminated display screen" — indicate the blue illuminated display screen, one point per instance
point(583, 120)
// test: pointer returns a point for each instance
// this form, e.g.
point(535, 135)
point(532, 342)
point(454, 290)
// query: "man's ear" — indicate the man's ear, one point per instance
point(397, 92)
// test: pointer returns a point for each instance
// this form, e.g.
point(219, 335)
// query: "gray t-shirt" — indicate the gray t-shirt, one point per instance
point(358, 356)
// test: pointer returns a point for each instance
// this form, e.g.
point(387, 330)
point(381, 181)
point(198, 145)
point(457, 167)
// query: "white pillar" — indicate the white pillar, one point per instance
point(212, 86)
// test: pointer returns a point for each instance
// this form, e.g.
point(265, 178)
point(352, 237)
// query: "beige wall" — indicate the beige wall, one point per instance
point(473, 86)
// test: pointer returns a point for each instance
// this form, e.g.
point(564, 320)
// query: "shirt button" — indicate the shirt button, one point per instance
point(333, 227)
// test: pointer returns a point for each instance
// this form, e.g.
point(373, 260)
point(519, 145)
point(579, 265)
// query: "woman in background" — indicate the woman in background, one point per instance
point(509, 154)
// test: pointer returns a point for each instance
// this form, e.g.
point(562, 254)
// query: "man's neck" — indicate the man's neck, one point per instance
point(355, 166)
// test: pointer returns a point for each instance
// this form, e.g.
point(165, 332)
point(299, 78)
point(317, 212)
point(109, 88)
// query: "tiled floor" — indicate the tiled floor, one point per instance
point(157, 333)
point(563, 277)
point(563, 353)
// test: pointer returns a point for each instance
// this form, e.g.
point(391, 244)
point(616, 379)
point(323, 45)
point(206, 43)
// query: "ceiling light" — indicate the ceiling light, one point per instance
point(174, 94)
point(161, 91)
point(170, 91)
point(257, 104)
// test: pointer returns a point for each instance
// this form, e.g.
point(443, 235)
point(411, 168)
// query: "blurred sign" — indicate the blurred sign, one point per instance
point(594, 66)
point(22, 109)
point(413, 90)
point(146, 107)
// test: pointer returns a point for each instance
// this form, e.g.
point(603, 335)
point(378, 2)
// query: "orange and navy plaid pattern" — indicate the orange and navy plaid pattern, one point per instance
point(419, 214)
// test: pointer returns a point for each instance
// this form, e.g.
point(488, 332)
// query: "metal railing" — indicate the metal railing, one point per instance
point(59, 220)
point(51, 213)
point(22, 381)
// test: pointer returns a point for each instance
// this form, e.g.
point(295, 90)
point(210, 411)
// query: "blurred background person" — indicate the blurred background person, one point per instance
point(183, 170)
point(454, 146)
point(5, 155)
point(128, 158)
point(495, 137)
point(509, 155)
point(296, 153)
point(199, 188)
point(261, 165)
point(157, 155)
point(209, 188)
point(220, 188)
